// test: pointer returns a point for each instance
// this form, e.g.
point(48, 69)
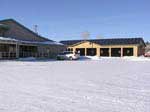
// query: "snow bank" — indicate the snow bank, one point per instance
point(27, 59)
point(137, 58)
point(131, 58)
point(89, 58)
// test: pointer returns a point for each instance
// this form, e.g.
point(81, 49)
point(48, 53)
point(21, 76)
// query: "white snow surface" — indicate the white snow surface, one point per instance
point(103, 85)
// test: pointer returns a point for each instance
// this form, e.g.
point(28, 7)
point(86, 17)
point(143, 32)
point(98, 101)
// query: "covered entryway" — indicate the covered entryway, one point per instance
point(91, 52)
point(116, 52)
point(127, 51)
point(104, 52)
point(81, 51)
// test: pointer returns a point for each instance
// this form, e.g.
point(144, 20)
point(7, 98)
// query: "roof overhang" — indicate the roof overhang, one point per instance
point(107, 42)
point(84, 41)
point(11, 40)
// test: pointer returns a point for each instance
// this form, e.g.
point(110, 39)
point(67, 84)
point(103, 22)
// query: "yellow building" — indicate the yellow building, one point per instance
point(116, 47)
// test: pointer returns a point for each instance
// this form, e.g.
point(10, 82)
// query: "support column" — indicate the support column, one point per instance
point(109, 51)
point(17, 50)
point(85, 51)
point(98, 51)
point(121, 51)
point(135, 51)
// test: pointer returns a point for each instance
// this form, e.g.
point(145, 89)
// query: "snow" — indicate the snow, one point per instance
point(7, 39)
point(127, 58)
point(45, 42)
point(31, 42)
point(103, 85)
point(138, 58)
point(57, 43)
point(90, 58)
point(27, 59)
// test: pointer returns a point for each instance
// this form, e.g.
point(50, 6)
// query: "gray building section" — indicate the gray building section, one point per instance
point(18, 41)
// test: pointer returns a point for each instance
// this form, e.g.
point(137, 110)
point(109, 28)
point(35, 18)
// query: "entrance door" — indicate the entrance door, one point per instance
point(81, 51)
point(116, 52)
point(91, 52)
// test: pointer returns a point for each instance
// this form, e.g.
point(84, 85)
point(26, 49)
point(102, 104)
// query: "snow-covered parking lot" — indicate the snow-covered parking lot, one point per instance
point(104, 85)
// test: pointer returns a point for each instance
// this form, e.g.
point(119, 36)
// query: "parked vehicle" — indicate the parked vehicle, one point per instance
point(68, 55)
point(147, 54)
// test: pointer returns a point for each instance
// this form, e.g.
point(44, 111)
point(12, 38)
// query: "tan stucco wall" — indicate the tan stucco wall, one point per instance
point(87, 44)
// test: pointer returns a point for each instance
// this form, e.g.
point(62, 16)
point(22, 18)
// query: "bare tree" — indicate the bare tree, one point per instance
point(99, 37)
point(85, 35)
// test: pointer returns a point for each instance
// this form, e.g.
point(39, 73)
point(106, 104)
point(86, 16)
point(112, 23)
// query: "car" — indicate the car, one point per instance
point(147, 54)
point(68, 55)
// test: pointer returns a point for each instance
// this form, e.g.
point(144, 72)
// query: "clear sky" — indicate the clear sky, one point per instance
point(67, 19)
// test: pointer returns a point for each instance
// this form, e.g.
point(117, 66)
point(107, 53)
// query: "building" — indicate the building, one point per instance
point(18, 41)
point(116, 47)
point(147, 48)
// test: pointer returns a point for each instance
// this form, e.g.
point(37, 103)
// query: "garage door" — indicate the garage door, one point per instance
point(116, 52)
point(104, 52)
point(81, 51)
point(127, 51)
point(91, 52)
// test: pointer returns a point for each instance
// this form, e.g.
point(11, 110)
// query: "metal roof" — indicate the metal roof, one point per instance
point(5, 20)
point(114, 41)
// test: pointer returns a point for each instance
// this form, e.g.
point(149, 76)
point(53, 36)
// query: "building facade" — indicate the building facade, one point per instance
point(117, 47)
point(18, 41)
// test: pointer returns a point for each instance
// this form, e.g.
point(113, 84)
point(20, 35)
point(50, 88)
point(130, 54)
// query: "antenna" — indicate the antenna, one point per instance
point(35, 27)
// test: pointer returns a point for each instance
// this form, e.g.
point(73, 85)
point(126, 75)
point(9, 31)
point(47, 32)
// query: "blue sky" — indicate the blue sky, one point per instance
point(67, 19)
